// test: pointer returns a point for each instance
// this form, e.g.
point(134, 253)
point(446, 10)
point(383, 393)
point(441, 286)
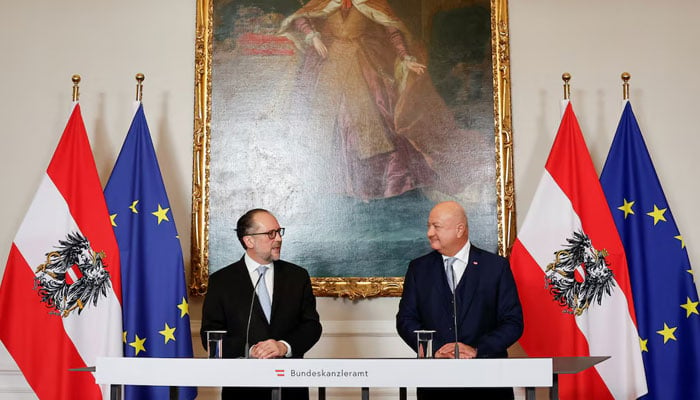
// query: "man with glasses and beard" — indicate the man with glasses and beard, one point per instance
point(283, 321)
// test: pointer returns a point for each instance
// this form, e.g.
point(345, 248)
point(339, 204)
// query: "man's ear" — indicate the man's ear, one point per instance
point(249, 243)
point(461, 230)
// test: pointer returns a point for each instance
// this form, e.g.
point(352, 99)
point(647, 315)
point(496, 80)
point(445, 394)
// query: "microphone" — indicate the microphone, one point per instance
point(246, 351)
point(454, 310)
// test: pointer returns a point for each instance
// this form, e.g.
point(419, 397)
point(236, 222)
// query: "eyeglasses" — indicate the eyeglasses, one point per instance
point(270, 234)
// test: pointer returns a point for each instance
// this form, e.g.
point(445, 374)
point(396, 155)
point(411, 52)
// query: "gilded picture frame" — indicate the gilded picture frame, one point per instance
point(351, 286)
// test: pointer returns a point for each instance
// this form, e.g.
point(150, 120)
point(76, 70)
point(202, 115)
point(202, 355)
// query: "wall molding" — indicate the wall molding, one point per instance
point(13, 386)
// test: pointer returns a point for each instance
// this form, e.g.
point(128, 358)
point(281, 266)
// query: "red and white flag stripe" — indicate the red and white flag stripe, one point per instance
point(569, 199)
point(43, 344)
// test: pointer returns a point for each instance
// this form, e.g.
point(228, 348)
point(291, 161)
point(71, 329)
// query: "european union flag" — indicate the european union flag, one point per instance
point(154, 301)
point(665, 297)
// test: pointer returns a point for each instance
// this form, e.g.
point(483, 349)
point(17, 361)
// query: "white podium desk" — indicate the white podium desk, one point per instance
point(322, 373)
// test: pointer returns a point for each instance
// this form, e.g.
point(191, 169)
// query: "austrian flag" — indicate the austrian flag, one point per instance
point(571, 271)
point(60, 292)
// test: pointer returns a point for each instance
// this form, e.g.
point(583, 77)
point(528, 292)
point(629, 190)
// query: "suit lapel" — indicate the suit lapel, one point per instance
point(442, 287)
point(278, 291)
point(468, 284)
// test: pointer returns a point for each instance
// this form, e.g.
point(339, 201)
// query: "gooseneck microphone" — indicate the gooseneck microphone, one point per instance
point(454, 310)
point(246, 351)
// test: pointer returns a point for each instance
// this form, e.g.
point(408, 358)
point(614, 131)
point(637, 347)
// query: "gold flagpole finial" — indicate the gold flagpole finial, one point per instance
point(625, 85)
point(139, 86)
point(76, 92)
point(566, 77)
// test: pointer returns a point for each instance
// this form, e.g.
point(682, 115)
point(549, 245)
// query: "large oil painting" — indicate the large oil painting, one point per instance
point(349, 120)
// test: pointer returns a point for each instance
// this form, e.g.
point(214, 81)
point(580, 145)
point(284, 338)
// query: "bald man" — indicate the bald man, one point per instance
point(489, 315)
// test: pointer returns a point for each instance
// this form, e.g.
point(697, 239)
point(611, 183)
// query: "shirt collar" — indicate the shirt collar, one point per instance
point(463, 253)
point(253, 265)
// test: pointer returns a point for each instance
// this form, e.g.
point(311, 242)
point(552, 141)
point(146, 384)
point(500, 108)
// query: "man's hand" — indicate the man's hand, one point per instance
point(448, 351)
point(269, 348)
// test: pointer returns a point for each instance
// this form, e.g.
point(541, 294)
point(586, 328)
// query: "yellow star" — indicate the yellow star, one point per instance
point(184, 308)
point(627, 207)
point(667, 333)
point(138, 344)
point(168, 333)
point(162, 214)
point(658, 214)
point(112, 219)
point(124, 337)
point(133, 207)
point(643, 344)
point(691, 307)
point(680, 237)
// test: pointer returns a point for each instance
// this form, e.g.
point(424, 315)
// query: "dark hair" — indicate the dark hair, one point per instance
point(245, 223)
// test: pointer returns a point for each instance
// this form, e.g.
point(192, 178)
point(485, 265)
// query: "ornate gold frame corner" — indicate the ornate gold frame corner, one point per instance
point(351, 287)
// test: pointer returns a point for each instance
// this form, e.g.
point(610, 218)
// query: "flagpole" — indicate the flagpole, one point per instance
point(76, 91)
point(139, 86)
point(566, 77)
point(625, 85)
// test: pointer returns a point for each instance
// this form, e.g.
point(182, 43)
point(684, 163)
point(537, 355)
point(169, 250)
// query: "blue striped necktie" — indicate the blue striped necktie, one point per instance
point(263, 294)
point(450, 272)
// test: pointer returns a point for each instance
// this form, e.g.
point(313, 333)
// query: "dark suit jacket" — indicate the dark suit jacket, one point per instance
point(294, 318)
point(489, 315)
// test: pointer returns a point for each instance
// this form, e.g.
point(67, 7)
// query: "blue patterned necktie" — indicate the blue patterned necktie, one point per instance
point(263, 294)
point(450, 272)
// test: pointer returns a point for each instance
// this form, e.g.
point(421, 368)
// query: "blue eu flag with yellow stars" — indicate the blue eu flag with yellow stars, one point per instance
point(665, 296)
point(154, 299)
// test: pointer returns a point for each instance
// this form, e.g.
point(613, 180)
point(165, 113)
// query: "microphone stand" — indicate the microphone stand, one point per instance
point(276, 392)
point(246, 351)
point(454, 310)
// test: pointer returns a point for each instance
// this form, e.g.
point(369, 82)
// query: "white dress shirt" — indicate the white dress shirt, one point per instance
point(460, 264)
point(252, 266)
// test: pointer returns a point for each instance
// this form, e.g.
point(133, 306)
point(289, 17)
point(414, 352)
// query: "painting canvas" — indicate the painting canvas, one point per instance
point(349, 120)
